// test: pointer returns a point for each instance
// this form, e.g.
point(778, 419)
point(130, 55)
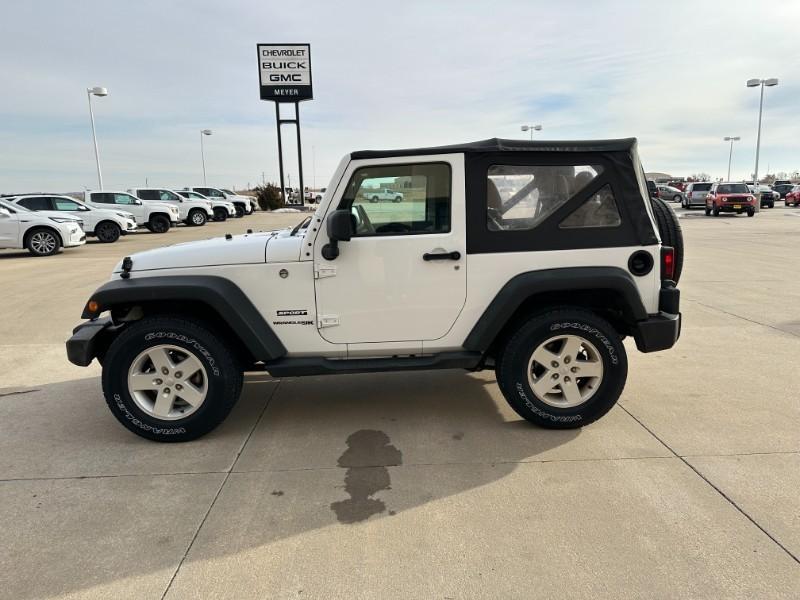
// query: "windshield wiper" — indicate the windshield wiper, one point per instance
point(300, 225)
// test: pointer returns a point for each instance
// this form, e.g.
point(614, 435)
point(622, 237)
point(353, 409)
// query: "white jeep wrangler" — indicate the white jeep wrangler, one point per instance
point(534, 259)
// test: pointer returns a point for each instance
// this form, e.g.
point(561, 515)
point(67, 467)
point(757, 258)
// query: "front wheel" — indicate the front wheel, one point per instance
point(374, 199)
point(169, 379)
point(43, 242)
point(563, 369)
point(398, 199)
point(239, 211)
point(751, 212)
point(107, 232)
point(715, 211)
point(220, 214)
point(158, 224)
point(197, 218)
point(708, 211)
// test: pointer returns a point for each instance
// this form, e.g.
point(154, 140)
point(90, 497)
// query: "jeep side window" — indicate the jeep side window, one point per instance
point(381, 208)
point(519, 197)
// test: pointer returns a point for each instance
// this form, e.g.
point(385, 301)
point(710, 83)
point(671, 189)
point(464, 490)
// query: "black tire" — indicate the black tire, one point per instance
point(197, 218)
point(708, 211)
point(224, 377)
point(239, 211)
point(42, 241)
point(751, 212)
point(107, 232)
point(374, 199)
point(220, 214)
point(669, 229)
point(398, 199)
point(676, 198)
point(158, 224)
point(715, 211)
point(512, 367)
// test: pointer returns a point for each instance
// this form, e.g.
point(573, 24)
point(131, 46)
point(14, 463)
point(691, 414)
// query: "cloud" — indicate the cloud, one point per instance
point(385, 75)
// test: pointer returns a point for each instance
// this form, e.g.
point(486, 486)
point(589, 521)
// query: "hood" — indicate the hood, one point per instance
point(236, 250)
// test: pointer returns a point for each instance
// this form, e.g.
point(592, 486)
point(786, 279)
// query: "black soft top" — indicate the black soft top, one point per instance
point(501, 145)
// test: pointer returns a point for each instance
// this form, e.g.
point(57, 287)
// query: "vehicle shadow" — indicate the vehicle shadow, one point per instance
point(334, 442)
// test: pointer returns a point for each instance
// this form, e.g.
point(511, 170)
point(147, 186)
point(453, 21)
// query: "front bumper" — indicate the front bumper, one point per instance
point(90, 339)
point(76, 238)
point(743, 207)
point(662, 330)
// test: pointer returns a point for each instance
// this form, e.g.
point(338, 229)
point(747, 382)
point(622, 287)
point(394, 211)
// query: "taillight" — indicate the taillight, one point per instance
point(668, 262)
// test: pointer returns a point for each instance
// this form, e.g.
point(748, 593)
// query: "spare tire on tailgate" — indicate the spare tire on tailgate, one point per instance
point(670, 231)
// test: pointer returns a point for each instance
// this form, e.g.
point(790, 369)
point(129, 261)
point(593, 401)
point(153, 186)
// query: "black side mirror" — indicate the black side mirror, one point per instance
point(340, 229)
point(340, 225)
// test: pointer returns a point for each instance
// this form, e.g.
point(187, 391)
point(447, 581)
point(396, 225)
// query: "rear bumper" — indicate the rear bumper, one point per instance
point(88, 340)
point(662, 330)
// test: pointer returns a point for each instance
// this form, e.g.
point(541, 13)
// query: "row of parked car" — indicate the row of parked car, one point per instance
point(46, 223)
point(696, 193)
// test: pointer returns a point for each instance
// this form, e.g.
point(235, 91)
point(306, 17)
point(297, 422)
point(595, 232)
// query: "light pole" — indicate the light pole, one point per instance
point(730, 154)
point(756, 83)
point(202, 152)
point(531, 128)
point(96, 91)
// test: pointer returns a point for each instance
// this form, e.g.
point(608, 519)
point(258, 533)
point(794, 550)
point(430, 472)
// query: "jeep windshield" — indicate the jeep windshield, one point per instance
point(733, 188)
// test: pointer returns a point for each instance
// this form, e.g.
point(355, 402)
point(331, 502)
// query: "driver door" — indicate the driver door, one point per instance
point(402, 277)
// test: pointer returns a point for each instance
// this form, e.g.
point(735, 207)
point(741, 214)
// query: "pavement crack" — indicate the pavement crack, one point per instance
point(714, 487)
point(219, 490)
point(18, 392)
point(731, 314)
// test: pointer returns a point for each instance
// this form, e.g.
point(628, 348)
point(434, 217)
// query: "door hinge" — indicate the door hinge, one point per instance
point(320, 272)
point(327, 321)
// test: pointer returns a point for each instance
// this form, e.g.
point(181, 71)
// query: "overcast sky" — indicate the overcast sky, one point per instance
point(387, 75)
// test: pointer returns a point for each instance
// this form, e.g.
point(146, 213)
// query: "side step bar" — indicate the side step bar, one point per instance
point(294, 367)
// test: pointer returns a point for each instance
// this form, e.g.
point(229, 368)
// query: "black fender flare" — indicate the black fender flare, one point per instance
point(521, 287)
point(220, 294)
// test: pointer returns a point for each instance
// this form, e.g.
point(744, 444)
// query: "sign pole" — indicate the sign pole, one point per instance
point(280, 149)
point(299, 154)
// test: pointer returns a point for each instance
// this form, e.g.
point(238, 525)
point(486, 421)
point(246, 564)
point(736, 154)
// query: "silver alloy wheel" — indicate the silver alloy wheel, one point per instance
point(198, 218)
point(565, 371)
point(43, 242)
point(167, 382)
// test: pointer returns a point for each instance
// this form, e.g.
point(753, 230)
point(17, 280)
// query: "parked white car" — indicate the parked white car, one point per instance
point(39, 234)
point(191, 212)
point(106, 225)
point(253, 202)
point(222, 208)
point(242, 203)
point(157, 217)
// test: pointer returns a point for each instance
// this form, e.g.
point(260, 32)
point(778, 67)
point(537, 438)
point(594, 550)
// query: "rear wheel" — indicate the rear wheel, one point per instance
point(676, 198)
point(169, 379)
point(158, 224)
point(197, 217)
point(107, 232)
point(220, 214)
point(563, 369)
point(669, 229)
point(43, 242)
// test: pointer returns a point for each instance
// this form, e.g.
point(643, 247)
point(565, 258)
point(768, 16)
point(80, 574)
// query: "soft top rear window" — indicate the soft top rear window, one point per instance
point(701, 187)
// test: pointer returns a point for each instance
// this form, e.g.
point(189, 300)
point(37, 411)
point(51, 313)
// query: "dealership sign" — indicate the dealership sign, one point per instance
point(285, 72)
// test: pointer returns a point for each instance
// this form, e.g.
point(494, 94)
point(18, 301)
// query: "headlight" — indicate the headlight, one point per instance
point(62, 220)
point(125, 215)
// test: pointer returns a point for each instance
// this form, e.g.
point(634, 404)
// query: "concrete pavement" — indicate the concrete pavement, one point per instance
point(417, 486)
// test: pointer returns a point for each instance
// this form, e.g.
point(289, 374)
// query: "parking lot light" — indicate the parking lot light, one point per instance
point(531, 128)
point(730, 139)
point(202, 152)
point(771, 82)
point(100, 92)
